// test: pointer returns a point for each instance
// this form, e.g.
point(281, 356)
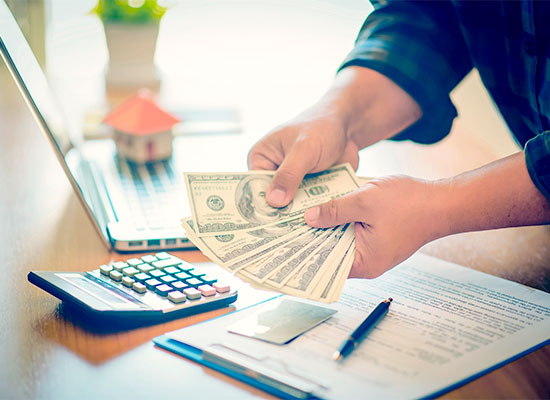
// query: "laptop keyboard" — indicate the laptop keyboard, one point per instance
point(153, 191)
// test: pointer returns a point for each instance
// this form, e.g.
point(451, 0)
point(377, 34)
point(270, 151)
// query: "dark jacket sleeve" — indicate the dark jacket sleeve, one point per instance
point(537, 158)
point(420, 47)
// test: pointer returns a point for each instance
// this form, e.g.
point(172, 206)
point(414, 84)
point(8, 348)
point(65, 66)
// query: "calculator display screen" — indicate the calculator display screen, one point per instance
point(95, 289)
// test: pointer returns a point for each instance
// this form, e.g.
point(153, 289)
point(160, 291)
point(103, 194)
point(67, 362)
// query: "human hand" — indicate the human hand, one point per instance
point(393, 216)
point(312, 142)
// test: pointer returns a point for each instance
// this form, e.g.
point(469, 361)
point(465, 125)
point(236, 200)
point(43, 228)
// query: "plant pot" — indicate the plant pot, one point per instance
point(132, 55)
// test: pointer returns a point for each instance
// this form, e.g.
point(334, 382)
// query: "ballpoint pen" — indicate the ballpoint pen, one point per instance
point(358, 334)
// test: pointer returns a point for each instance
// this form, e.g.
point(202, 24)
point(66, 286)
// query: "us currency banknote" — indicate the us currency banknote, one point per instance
point(233, 247)
point(223, 203)
point(303, 282)
point(272, 248)
point(303, 243)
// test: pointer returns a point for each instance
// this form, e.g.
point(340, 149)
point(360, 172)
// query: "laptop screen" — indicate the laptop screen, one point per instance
point(32, 82)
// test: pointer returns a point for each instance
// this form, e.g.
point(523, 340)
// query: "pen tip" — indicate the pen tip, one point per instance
point(389, 300)
point(337, 356)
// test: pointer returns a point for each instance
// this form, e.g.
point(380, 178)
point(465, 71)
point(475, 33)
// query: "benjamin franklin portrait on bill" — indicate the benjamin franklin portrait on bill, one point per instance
point(251, 203)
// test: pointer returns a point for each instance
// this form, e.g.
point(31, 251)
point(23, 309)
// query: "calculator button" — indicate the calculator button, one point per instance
point(128, 282)
point(185, 266)
point(166, 263)
point(208, 279)
point(179, 285)
point(115, 275)
point(172, 270)
point(134, 262)
point(163, 255)
point(156, 273)
point(130, 271)
point(176, 297)
point(139, 287)
point(192, 293)
point(151, 283)
point(142, 277)
point(144, 267)
point(105, 269)
point(207, 290)
point(148, 259)
point(194, 282)
point(183, 275)
point(118, 266)
point(221, 287)
point(163, 290)
point(167, 278)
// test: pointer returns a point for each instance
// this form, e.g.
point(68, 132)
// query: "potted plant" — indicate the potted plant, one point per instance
point(131, 31)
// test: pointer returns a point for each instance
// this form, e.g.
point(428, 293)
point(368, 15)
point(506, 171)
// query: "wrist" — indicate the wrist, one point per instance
point(367, 102)
point(439, 197)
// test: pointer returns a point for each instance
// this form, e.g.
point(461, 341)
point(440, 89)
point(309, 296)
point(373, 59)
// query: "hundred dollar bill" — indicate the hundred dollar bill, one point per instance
point(288, 267)
point(232, 247)
point(328, 289)
point(305, 279)
point(304, 243)
point(224, 203)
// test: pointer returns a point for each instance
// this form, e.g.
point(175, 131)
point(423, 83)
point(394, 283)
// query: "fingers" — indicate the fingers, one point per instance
point(336, 212)
point(289, 175)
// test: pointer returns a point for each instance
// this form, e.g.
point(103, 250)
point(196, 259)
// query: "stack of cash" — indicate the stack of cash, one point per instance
point(273, 248)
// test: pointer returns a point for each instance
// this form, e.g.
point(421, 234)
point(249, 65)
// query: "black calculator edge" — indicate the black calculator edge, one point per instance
point(138, 316)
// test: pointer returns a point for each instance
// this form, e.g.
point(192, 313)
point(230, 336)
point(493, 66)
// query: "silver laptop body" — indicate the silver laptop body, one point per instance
point(134, 207)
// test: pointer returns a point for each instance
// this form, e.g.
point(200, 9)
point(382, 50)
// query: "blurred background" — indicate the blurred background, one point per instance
point(236, 67)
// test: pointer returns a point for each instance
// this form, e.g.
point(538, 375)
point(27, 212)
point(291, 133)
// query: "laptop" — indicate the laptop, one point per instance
point(134, 207)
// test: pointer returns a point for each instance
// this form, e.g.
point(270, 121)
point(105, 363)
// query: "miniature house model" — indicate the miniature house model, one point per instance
point(142, 130)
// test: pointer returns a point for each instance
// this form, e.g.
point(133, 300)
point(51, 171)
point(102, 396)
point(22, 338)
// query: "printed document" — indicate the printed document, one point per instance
point(447, 324)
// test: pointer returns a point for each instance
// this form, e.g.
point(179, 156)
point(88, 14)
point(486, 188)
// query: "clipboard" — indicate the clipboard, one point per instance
point(289, 372)
point(286, 388)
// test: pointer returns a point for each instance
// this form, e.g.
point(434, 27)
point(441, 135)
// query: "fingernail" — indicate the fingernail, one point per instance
point(276, 197)
point(312, 215)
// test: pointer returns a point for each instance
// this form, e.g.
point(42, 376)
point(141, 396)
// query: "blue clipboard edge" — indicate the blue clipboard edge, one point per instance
point(195, 354)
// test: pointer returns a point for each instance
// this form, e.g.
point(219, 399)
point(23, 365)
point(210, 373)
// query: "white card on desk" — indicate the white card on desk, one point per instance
point(447, 324)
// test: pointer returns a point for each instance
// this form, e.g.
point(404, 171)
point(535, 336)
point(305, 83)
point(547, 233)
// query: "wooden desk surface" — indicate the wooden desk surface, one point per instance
point(44, 354)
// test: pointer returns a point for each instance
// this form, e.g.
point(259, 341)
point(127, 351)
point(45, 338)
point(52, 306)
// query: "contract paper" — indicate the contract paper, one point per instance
point(447, 324)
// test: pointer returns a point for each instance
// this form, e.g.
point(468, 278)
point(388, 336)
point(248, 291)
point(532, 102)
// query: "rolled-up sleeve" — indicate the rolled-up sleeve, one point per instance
point(537, 158)
point(420, 47)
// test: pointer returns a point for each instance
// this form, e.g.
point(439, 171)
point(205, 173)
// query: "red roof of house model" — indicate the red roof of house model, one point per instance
point(140, 115)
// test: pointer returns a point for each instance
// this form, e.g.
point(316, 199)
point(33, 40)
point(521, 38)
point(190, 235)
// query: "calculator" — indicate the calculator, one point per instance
point(151, 288)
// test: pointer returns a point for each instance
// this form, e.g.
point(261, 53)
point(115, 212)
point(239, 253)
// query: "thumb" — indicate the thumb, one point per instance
point(288, 177)
point(335, 212)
